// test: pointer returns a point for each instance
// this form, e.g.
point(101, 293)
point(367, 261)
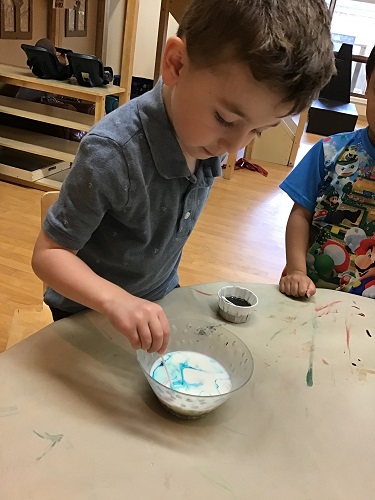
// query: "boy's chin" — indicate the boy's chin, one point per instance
point(206, 154)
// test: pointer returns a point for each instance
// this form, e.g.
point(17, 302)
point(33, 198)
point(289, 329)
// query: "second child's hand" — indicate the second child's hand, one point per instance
point(297, 284)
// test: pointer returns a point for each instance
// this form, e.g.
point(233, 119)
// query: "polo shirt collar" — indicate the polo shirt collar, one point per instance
point(166, 152)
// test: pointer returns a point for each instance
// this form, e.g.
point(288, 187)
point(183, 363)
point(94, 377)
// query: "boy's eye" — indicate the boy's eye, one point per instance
point(221, 120)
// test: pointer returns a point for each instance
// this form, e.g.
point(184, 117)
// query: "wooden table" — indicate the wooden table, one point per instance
point(79, 421)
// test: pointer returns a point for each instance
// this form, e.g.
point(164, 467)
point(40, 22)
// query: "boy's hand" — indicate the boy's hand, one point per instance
point(143, 323)
point(297, 284)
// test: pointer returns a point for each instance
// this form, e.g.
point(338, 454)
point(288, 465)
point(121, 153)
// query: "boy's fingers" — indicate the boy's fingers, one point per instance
point(134, 340)
point(166, 332)
point(156, 335)
point(145, 336)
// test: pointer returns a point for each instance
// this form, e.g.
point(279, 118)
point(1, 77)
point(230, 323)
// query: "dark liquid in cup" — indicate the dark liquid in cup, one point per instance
point(238, 302)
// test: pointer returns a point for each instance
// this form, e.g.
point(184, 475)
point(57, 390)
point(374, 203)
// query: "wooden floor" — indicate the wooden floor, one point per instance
point(240, 236)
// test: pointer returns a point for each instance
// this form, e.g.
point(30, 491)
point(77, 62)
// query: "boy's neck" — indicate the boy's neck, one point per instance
point(192, 164)
point(371, 136)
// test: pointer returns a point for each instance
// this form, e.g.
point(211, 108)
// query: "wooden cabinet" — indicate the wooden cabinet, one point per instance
point(59, 151)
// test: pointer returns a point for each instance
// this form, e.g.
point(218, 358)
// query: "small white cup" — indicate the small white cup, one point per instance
point(232, 312)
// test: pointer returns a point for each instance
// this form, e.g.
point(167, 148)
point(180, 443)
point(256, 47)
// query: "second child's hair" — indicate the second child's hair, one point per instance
point(370, 65)
point(285, 43)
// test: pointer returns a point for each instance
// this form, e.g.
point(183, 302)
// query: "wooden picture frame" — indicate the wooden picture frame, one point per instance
point(76, 19)
point(16, 19)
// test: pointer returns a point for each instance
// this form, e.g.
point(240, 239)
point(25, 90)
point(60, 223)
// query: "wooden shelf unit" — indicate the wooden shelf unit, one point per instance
point(41, 144)
point(51, 114)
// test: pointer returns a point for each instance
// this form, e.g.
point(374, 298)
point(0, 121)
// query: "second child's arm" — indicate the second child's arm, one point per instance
point(296, 282)
point(143, 322)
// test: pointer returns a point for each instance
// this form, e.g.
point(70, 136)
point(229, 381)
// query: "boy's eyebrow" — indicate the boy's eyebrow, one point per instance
point(237, 111)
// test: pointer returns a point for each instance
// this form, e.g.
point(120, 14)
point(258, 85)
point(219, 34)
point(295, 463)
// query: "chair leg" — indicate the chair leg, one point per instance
point(229, 169)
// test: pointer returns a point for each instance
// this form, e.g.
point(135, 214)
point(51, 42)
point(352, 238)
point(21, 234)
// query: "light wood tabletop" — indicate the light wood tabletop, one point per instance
point(78, 419)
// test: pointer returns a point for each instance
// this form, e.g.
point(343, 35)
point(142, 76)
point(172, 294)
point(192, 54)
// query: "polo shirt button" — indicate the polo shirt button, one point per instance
point(187, 215)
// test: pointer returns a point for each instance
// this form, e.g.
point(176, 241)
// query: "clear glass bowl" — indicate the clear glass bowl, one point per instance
point(206, 338)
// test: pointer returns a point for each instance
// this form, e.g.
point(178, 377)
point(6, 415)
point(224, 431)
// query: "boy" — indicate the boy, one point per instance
point(113, 240)
point(333, 189)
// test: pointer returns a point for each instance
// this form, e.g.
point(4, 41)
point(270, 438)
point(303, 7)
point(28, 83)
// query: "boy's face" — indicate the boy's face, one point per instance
point(218, 110)
point(370, 109)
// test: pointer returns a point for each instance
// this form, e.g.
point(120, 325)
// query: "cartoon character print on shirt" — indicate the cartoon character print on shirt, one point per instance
point(364, 284)
point(336, 185)
point(342, 251)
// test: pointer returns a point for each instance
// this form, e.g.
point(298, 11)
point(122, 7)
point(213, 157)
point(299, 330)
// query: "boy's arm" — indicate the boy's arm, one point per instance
point(296, 282)
point(142, 322)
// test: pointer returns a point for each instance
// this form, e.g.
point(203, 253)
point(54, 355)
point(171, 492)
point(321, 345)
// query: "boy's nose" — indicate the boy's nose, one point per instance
point(233, 143)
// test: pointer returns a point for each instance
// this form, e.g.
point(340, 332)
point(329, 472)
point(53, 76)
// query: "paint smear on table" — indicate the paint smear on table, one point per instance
point(7, 411)
point(327, 309)
point(309, 374)
point(54, 438)
point(363, 372)
point(347, 328)
point(192, 373)
point(204, 293)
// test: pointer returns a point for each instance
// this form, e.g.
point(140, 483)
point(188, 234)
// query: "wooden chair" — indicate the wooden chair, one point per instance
point(29, 320)
point(47, 200)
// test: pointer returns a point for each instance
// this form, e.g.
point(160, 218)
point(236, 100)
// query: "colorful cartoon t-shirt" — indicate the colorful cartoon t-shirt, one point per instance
point(336, 181)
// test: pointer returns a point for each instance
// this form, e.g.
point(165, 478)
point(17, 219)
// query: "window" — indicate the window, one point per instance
point(353, 22)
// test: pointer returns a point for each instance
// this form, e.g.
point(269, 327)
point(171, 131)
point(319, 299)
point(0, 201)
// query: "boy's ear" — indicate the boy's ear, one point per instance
point(173, 60)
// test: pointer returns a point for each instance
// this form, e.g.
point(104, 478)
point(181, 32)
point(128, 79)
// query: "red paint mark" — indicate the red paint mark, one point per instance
point(347, 337)
point(355, 307)
point(204, 293)
point(361, 314)
point(317, 309)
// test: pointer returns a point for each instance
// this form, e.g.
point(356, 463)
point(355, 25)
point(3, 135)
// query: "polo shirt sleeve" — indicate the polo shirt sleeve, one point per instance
point(97, 182)
point(302, 184)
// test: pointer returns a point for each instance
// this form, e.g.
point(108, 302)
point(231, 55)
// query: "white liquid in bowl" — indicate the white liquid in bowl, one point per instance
point(192, 373)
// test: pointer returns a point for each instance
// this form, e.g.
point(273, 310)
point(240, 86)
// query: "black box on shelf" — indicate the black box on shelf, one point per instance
point(328, 117)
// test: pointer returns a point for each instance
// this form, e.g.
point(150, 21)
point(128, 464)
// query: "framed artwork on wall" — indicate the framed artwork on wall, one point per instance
point(76, 19)
point(16, 19)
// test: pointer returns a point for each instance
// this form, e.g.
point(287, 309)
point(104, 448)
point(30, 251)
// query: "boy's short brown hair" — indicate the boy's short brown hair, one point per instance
point(285, 43)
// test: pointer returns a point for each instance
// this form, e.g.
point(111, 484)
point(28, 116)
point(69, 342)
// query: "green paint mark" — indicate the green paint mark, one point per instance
point(309, 377)
point(54, 438)
point(8, 410)
point(309, 374)
point(216, 481)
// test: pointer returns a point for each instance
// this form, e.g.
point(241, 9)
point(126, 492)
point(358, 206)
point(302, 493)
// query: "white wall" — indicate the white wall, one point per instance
point(147, 32)
point(113, 35)
point(145, 47)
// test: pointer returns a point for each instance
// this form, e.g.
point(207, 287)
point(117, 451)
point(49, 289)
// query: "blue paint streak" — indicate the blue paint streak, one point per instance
point(188, 377)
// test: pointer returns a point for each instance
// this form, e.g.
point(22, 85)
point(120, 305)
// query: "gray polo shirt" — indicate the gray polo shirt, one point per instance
point(130, 202)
